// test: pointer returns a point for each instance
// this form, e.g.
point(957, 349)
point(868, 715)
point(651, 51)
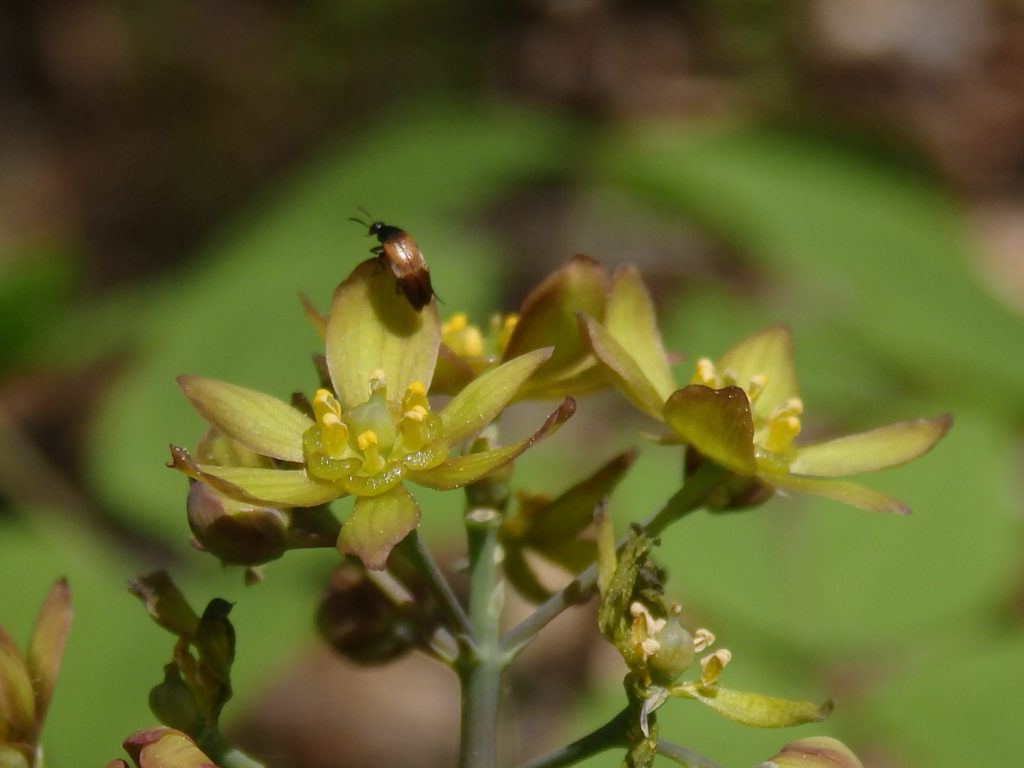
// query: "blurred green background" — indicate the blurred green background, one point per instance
point(174, 174)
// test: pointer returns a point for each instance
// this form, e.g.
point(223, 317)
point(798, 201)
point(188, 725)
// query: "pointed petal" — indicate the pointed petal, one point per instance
point(479, 403)
point(865, 452)
point(377, 524)
point(855, 495)
point(164, 747)
point(548, 315)
point(165, 603)
point(753, 708)
point(768, 353)
point(625, 372)
point(522, 577)
point(573, 511)
point(372, 327)
point(46, 646)
point(631, 321)
point(256, 485)
point(260, 422)
point(717, 423)
point(17, 701)
point(462, 470)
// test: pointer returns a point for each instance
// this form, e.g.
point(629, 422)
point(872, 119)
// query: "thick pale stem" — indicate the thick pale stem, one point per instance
point(480, 665)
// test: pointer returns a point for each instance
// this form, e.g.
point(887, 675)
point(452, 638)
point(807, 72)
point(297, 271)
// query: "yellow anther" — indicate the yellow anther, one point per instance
point(324, 403)
point(711, 666)
point(417, 413)
point(366, 439)
point(367, 443)
point(757, 384)
point(416, 389)
point(455, 323)
point(781, 433)
point(333, 434)
point(705, 373)
point(508, 325)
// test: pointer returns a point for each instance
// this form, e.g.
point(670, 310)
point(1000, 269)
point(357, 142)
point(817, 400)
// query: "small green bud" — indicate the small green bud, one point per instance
point(674, 654)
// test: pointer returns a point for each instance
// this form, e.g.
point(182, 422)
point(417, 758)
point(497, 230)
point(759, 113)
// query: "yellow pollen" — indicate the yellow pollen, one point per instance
point(705, 373)
point(508, 325)
point(416, 389)
point(324, 403)
point(782, 431)
point(757, 384)
point(416, 413)
point(455, 323)
point(366, 439)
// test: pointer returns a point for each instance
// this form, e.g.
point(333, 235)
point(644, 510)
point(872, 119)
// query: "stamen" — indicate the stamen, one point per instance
point(333, 435)
point(704, 373)
point(507, 326)
point(378, 382)
point(367, 443)
point(757, 384)
point(323, 403)
point(711, 666)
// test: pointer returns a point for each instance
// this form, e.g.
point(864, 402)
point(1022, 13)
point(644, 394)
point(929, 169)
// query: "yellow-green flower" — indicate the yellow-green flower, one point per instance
point(372, 429)
point(743, 410)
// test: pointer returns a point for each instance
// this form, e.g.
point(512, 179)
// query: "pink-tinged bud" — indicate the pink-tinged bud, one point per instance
point(814, 752)
point(236, 532)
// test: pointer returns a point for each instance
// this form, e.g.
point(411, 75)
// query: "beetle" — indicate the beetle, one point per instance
point(400, 252)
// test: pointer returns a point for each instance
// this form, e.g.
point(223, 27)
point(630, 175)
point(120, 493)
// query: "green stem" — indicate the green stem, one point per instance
point(684, 502)
point(481, 664)
point(455, 618)
point(684, 756)
point(611, 734)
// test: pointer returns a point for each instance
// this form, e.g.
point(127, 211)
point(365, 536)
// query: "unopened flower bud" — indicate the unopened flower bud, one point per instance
point(173, 703)
point(814, 752)
point(363, 624)
point(236, 532)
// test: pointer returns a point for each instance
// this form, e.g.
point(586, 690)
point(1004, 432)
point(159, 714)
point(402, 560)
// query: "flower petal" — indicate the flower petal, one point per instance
point(158, 747)
point(867, 451)
point(481, 400)
point(372, 327)
point(855, 495)
point(770, 354)
point(256, 485)
point(548, 315)
point(17, 701)
point(377, 524)
point(46, 646)
point(717, 423)
point(814, 752)
point(258, 421)
point(631, 321)
point(623, 369)
point(548, 319)
point(754, 708)
point(462, 470)
point(165, 603)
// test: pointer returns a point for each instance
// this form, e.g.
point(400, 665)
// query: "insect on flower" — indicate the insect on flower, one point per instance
point(400, 252)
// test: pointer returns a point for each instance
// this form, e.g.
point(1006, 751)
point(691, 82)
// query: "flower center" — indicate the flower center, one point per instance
point(776, 433)
point(469, 342)
point(367, 438)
